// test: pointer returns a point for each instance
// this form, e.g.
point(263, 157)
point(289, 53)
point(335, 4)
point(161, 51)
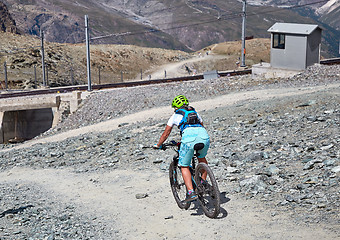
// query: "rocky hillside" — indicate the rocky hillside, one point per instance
point(183, 25)
point(324, 13)
point(7, 24)
point(275, 151)
point(63, 21)
point(319, 8)
point(329, 13)
point(66, 63)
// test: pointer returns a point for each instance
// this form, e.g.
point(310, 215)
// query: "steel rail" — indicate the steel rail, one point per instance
point(331, 61)
point(65, 89)
point(116, 85)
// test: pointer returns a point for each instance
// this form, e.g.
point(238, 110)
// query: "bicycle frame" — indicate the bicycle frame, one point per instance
point(207, 191)
point(191, 167)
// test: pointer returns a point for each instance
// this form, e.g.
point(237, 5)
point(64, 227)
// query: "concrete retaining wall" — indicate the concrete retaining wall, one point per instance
point(23, 118)
point(26, 124)
point(26, 117)
point(264, 70)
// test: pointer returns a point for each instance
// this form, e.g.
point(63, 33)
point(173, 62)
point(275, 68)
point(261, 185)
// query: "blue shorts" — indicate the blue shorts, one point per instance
point(190, 137)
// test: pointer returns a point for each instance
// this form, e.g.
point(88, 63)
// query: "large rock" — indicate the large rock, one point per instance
point(7, 23)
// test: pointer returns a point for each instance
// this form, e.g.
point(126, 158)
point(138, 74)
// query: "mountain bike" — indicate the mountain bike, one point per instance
point(207, 190)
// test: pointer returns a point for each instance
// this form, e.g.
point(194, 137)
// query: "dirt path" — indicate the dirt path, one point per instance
point(177, 69)
point(111, 198)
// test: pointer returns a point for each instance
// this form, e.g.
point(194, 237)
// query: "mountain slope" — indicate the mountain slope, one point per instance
point(174, 24)
point(66, 63)
point(63, 21)
point(7, 23)
point(330, 14)
point(324, 13)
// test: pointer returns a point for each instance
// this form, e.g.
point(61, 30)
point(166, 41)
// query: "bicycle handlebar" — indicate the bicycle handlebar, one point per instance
point(170, 144)
point(166, 145)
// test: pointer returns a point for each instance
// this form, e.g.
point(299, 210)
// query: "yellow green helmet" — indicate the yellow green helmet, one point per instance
point(179, 101)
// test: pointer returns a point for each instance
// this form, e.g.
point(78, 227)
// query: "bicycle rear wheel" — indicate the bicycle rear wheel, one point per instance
point(177, 186)
point(208, 193)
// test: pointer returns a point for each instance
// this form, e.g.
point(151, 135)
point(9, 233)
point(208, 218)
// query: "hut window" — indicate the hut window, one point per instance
point(279, 40)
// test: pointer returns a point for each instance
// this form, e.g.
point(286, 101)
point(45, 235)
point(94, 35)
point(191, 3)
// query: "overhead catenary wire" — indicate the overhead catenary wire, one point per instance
point(211, 19)
point(223, 17)
point(237, 14)
point(208, 20)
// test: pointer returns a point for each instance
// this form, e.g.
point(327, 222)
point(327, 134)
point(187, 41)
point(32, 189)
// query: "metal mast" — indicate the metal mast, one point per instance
point(88, 53)
point(243, 62)
point(43, 57)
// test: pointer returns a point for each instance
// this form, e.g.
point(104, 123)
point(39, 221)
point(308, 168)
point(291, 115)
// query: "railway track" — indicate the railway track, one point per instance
point(135, 83)
point(331, 61)
point(116, 85)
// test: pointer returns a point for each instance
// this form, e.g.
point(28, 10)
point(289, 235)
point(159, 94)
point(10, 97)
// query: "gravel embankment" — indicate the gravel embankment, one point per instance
point(105, 105)
point(283, 152)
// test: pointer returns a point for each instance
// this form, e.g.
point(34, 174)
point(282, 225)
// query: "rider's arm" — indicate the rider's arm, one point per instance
point(200, 119)
point(165, 135)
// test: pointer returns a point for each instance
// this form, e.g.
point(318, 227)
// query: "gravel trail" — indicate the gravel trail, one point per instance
point(275, 154)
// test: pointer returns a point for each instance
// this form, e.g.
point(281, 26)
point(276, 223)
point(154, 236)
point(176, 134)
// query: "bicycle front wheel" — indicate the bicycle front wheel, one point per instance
point(178, 187)
point(208, 193)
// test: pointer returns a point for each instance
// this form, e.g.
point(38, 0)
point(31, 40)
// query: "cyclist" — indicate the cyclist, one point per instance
point(192, 131)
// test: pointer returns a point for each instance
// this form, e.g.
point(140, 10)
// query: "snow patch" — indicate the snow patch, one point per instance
point(328, 7)
point(257, 2)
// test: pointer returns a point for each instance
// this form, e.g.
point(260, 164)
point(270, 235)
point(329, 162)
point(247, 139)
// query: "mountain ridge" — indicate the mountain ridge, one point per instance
point(326, 12)
point(182, 25)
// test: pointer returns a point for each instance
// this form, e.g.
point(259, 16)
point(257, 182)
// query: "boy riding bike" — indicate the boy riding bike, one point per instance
point(192, 131)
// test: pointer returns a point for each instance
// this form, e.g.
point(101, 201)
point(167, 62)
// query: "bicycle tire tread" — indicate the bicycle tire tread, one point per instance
point(214, 193)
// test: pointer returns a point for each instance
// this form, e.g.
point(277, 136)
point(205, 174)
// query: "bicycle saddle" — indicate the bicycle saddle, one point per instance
point(199, 146)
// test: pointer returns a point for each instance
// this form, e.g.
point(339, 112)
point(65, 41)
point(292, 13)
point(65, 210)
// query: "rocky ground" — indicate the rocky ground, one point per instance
point(107, 105)
point(281, 152)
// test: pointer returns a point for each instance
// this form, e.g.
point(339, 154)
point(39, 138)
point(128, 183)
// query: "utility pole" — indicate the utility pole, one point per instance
point(35, 76)
point(99, 75)
point(43, 57)
point(5, 72)
point(72, 77)
point(89, 88)
point(243, 62)
point(46, 75)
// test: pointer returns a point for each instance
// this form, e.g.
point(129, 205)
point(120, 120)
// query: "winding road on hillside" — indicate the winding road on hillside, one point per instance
point(178, 69)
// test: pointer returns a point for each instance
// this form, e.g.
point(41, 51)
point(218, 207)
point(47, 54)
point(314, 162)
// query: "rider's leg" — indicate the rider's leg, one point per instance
point(204, 173)
point(187, 177)
point(204, 160)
